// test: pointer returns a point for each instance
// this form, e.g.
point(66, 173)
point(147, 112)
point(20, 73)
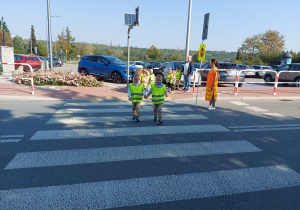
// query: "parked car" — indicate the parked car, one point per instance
point(57, 62)
point(105, 67)
point(227, 73)
point(34, 61)
point(250, 71)
point(285, 76)
point(139, 64)
point(156, 66)
point(275, 66)
point(261, 72)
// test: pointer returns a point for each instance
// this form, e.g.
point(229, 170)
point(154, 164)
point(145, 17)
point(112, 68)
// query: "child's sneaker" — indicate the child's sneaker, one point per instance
point(137, 119)
point(160, 122)
point(133, 117)
point(155, 118)
point(211, 108)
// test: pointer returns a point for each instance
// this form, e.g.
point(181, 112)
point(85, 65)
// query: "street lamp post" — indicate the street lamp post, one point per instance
point(187, 46)
point(49, 35)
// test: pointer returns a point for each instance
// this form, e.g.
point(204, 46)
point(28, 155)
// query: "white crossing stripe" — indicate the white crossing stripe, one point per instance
point(12, 136)
point(9, 140)
point(100, 155)
point(131, 131)
point(255, 108)
point(83, 120)
point(265, 127)
point(114, 110)
point(239, 103)
point(279, 116)
point(150, 190)
point(116, 103)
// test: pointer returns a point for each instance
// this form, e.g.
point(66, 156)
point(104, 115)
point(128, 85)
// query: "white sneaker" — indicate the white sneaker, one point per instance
point(211, 108)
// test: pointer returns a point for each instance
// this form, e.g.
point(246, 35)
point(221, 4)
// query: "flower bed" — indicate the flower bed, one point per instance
point(41, 78)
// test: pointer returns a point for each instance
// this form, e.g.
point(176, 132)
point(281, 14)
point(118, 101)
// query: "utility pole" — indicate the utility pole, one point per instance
point(187, 46)
point(2, 27)
point(49, 35)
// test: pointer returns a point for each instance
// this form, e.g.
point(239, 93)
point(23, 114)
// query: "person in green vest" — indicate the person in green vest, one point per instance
point(178, 77)
point(152, 77)
point(158, 91)
point(136, 92)
point(168, 79)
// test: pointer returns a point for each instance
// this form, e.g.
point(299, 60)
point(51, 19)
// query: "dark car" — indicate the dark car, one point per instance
point(227, 73)
point(293, 76)
point(157, 67)
point(57, 62)
point(105, 67)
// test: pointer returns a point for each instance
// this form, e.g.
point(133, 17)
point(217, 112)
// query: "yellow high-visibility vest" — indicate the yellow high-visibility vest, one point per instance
point(136, 92)
point(158, 94)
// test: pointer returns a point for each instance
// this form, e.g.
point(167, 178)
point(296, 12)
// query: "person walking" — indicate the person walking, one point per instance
point(136, 92)
point(212, 84)
point(178, 77)
point(158, 91)
point(188, 72)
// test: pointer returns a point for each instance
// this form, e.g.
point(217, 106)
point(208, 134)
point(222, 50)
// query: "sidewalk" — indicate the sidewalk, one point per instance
point(15, 91)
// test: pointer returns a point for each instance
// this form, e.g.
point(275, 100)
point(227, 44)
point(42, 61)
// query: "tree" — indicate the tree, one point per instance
point(32, 41)
point(18, 44)
point(153, 53)
point(65, 41)
point(41, 49)
point(7, 36)
point(272, 41)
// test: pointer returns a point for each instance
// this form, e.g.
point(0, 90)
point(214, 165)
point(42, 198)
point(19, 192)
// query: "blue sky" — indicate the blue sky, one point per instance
point(163, 23)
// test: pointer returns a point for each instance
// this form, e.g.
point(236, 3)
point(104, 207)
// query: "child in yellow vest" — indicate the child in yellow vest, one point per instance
point(158, 91)
point(173, 81)
point(146, 80)
point(139, 72)
point(136, 92)
point(152, 77)
point(168, 80)
point(178, 77)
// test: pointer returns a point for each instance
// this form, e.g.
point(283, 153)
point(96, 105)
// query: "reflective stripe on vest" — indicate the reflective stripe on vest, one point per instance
point(158, 94)
point(136, 92)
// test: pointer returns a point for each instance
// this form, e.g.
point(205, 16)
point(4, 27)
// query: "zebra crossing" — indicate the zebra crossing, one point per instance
point(71, 124)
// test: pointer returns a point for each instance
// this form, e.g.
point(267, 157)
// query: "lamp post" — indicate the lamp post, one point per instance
point(47, 34)
point(187, 46)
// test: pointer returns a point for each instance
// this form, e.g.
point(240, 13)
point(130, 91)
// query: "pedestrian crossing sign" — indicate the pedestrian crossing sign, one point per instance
point(201, 56)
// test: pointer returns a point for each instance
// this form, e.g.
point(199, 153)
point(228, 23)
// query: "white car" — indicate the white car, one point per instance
point(261, 72)
point(139, 64)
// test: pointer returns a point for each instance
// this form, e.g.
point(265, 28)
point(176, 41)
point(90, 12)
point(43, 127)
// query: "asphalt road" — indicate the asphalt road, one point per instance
point(84, 154)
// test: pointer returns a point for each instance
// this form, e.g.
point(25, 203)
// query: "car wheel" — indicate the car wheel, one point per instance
point(297, 80)
point(257, 75)
point(83, 72)
point(240, 84)
point(116, 77)
point(268, 78)
point(59, 65)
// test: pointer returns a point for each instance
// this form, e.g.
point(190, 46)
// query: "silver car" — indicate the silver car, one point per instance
point(261, 70)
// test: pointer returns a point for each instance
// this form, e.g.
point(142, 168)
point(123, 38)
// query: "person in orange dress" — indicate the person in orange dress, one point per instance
point(212, 84)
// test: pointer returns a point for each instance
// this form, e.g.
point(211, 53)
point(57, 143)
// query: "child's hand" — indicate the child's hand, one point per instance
point(145, 97)
point(129, 99)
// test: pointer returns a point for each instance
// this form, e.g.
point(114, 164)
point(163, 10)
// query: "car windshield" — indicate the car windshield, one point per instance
point(115, 61)
point(139, 63)
point(249, 67)
point(155, 64)
point(180, 64)
point(267, 67)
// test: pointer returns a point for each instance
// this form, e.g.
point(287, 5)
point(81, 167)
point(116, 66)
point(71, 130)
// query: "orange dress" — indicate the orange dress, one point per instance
point(210, 79)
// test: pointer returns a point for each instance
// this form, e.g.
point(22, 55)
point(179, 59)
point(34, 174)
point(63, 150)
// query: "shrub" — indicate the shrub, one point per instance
point(41, 78)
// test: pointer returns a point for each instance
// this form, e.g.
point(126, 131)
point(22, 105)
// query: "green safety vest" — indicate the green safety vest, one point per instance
point(158, 94)
point(136, 92)
point(178, 75)
point(168, 78)
point(152, 79)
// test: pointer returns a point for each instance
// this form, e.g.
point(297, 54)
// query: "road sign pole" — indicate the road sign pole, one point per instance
point(199, 80)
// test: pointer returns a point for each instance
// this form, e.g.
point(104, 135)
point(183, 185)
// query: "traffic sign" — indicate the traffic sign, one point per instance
point(201, 56)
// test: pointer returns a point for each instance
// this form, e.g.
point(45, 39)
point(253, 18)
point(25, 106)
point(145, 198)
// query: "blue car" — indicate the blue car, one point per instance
point(105, 67)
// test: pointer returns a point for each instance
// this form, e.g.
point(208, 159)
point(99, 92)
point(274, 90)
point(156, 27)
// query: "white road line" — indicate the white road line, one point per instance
point(83, 120)
point(255, 108)
point(265, 126)
point(115, 103)
point(279, 116)
point(131, 131)
point(239, 103)
point(149, 190)
point(12, 136)
point(9, 140)
point(111, 154)
point(268, 129)
point(114, 110)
